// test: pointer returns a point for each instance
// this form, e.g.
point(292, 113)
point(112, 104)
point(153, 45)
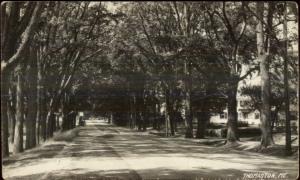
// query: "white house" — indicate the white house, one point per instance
point(253, 116)
point(245, 114)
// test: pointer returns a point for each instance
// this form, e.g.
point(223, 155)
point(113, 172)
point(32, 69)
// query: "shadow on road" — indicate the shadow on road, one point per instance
point(104, 151)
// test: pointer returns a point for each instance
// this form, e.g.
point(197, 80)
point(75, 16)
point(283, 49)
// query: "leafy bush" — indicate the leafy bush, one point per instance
point(215, 125)
point(243, 132)
point(243, 124)
point(249, 131)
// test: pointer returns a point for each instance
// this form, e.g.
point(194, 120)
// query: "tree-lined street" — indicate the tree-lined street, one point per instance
point(102, 150)
point(188, 90)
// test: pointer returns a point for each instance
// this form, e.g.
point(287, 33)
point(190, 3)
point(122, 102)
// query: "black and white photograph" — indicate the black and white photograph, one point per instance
point(149, 90)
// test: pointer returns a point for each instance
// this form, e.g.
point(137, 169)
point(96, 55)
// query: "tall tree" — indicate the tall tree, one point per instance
point(12, 31)
point(229, 30)
point(288, 144)
point(263, 57)
point(32, 100)
point(18, 137)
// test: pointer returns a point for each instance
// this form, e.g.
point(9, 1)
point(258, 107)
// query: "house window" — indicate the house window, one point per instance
point(245, 115)
point(223, 115)
point(256, 115)
point(243, 103)
point(293, 115)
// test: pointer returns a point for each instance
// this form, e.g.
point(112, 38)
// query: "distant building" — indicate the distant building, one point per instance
point(251, 116)
point(245, 114)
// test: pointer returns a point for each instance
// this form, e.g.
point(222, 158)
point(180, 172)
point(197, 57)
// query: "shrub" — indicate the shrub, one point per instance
point(214, 125)
point(243, 132)
point(243, 124)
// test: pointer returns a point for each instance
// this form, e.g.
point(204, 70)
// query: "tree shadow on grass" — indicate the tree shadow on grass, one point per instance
point(47, 151)
point(81, 174)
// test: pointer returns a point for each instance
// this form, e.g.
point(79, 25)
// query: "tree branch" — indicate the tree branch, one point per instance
point(26, 18)
point(227, 23)
point(249, 72)
point(14, 60)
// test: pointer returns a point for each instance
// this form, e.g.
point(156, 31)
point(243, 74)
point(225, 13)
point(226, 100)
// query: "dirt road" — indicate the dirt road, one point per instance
point(103, 151)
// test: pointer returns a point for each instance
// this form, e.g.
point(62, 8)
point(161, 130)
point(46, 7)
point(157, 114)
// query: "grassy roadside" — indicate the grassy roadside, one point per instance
point(47, 149)
point(245, 144)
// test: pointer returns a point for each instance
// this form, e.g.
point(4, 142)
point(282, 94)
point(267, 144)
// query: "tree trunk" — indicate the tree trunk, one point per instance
point(232, 129)
point(203, 118)
point(145, 120)
point(187, 114)
point(110, 119)
point(139, 119)
point(144, 114)
point(288, 141)
point(74, 119)
point(170, 115)
point(156, 116)
point(18, 142)
point(4, 117)
point(51, 124)
point(167, 123)
point(266, 136)
point(65, 115)
point(41, 102)
point(11, 121)
point(130, 111)
point(71, 120)
point(54, 123)
point(167, 112)
point(159, 121)
point(12, 116)
point(57, 122)
point(274, 117)
point(139, 106)
point(129, 101)
point(37, 128)
point(43, 118)
point(64, 111)
point(172, 123)
point(177, 118)
point(32, 103)
point(154, 122)
point(50, 119)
